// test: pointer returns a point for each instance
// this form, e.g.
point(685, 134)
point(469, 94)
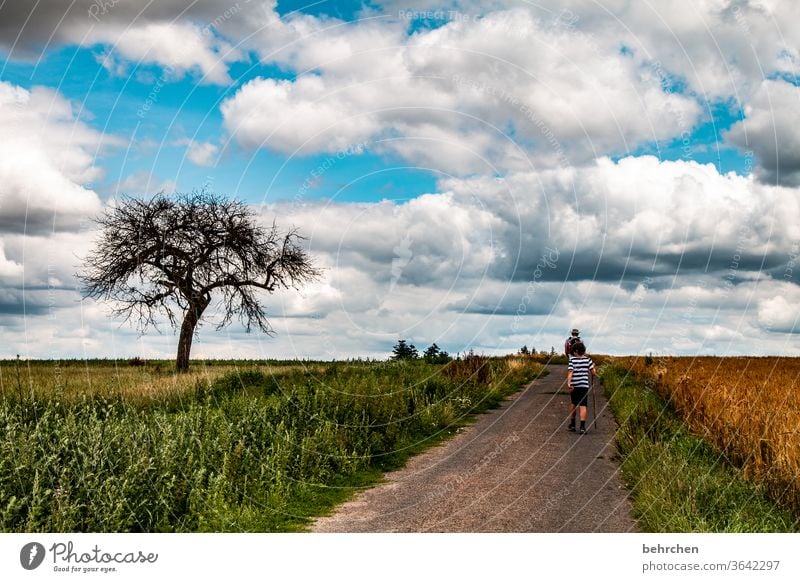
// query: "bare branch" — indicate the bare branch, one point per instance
point(167, 255)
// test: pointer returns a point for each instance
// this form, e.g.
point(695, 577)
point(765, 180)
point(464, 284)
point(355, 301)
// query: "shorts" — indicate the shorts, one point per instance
point(579, 396)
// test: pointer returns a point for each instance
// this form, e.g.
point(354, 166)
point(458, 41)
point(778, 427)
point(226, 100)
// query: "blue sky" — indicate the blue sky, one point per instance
point(180, 108)
point(432, 161)
point(705, 142)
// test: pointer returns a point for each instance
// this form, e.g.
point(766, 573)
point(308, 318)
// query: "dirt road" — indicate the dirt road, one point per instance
point(517, 469)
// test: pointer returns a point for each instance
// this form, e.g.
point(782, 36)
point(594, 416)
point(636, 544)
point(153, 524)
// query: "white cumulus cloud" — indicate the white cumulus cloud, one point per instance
point(48, 159)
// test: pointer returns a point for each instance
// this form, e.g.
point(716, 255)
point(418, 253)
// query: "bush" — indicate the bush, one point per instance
point(404, 351)
point(434, 355)
point(471, 368)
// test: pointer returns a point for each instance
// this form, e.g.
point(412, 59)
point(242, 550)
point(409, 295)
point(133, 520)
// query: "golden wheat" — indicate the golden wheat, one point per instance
point(746, 407)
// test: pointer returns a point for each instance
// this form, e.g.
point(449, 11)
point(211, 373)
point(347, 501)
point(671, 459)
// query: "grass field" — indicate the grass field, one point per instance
point(709, 444)
point(134, 380)
point(747, 408)
point(234, 446)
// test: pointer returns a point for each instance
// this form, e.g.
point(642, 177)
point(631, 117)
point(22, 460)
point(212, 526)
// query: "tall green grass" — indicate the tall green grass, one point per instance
point(246, 451)
point(678, 482)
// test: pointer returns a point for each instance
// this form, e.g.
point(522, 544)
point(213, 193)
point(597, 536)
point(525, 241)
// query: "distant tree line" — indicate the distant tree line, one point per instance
point(526, 351)
point(433, 354)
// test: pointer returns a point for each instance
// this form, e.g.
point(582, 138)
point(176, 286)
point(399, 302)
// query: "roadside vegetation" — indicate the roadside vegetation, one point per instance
point(237, 446)
point(679, 480)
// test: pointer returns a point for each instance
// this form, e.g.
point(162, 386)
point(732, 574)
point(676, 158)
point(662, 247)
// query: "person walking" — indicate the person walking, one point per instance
point(573, 339)
point(579, 375)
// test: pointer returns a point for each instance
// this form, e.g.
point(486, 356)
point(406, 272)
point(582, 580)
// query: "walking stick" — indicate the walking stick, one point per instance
point(594, 405)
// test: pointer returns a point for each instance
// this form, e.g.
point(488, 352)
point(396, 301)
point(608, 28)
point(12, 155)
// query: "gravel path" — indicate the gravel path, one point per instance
point(517, 469)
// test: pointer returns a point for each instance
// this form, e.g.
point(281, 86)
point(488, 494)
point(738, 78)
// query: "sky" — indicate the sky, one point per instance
point(482, 175)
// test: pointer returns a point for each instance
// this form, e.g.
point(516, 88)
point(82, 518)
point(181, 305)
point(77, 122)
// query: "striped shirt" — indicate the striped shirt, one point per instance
point(581, 368)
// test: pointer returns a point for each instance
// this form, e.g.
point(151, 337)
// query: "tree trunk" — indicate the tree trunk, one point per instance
point(193, 315)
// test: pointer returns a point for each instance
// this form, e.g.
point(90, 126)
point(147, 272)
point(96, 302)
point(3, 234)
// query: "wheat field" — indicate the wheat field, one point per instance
point(746, 407)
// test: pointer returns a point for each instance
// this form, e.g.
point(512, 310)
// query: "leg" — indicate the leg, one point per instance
point(583, 417)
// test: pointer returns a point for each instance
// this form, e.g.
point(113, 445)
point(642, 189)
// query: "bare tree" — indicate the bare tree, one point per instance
point(167, 255)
